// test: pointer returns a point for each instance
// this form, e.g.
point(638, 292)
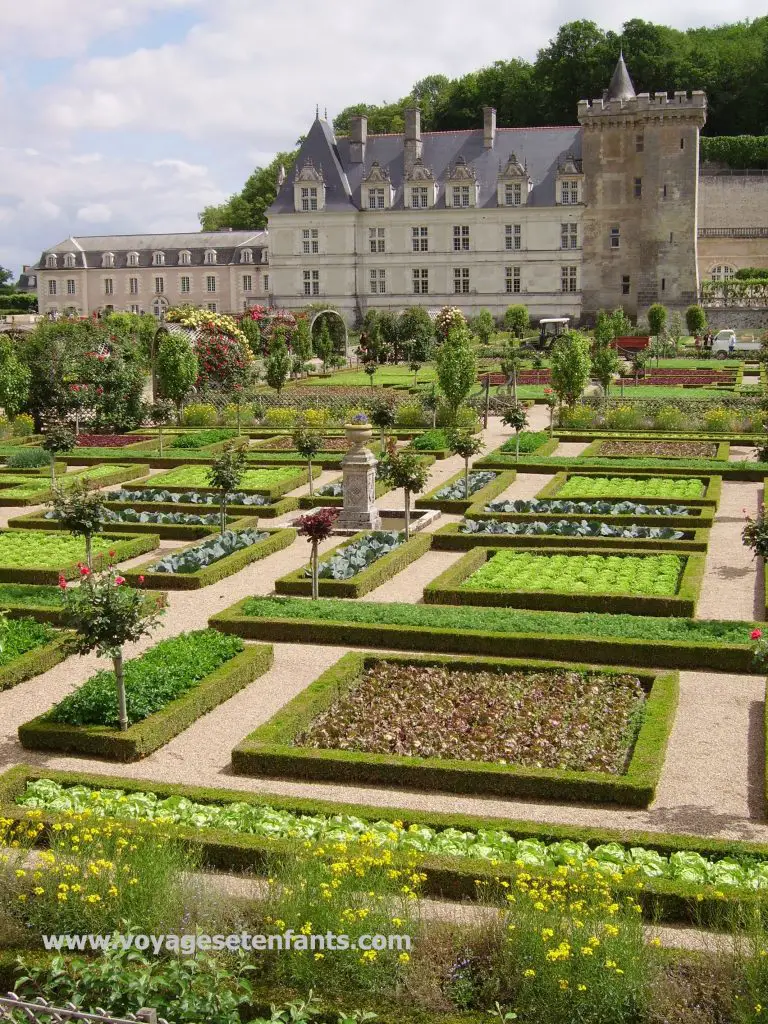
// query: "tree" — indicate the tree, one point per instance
point(484, 326)
point(58, 439)
point(302, 340)
point(159, 414)
point(465, 444)
point(403, 469)
point(604, 328)
point(6, 276)
point(620, 323)
point(323, 343)
point(605, 363)
point(511, 363)
point(278, 362)
point(82, 512)
point(307, 443)
point(517, 418)
point(675, 329)
point(371, 368)
point(657, 318)
point(389, 337)
point(225, 473)
point(176, 368)
point(570, 367)
point(416, 332)
point(430, 402)
point(247, 210)
point(695, 320)
point(106, 614)
point(456, 367)
point(383, 417)
point(517, 320)
point(15, 377)
point(317, 527)
point(252, 332)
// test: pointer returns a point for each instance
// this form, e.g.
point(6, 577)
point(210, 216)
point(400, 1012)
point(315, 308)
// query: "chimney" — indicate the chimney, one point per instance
point(489, 127)
point(358, 137)
point(412, 151)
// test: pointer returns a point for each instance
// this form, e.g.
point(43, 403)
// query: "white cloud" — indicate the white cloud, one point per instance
point(95, 213)
point(184, 170)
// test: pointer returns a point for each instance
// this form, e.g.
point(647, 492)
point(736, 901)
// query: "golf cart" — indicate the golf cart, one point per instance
point(549, 330)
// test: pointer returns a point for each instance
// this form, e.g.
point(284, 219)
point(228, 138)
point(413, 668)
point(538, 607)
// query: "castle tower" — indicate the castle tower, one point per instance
point(640, 158)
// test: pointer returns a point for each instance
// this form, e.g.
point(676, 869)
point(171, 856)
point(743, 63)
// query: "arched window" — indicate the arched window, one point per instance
point(210, 256)
point(108, 259)
point(159, 306)
point(51, 261)
point(185, 258)
point(69, 260)
point(246, 256)
point(158, 259)
point(723, 272)
point(133, 259)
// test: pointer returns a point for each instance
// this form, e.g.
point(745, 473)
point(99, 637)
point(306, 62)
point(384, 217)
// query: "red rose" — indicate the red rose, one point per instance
point(756, 634)
point(141, 579)
point(119, 581)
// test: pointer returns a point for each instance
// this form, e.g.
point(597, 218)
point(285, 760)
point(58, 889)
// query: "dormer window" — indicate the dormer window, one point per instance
point(461, 188)
point(420, 187)
point(69, 260)
point(158, 259)
point(246, 256)
point(210, 256)
point(569, 182)
point(133, 259)
point(308, 189)
point(460, 195)
point(51, 262)
point(569, 192)
point(377, 188)
point(513, 184)
point(185, 258)
point(108, 259)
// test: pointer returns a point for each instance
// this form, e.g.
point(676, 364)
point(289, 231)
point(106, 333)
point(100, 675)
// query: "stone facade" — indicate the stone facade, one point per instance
point(733, 222)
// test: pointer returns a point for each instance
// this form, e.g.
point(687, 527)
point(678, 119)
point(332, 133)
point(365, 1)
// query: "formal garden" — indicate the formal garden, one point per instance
point(457, 636)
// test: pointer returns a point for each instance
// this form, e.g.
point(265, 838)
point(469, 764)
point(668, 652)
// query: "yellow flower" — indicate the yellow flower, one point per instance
point(529, 973)
point(612, 930)
point(38, 890)
point(586, 951)
point(582, 988)
point(404, 958)
point(307, 928)
point(563, 984)
point(319, 956)
point(655, 941)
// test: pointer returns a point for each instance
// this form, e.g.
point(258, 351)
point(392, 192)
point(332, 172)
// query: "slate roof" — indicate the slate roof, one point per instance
point(620, 87)
point(89, 249)
point(540, 149)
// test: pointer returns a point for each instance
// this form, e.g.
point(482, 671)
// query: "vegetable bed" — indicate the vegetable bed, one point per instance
point(27, 648)
point(272, 482)
point(572, 533)
point(691, 491)
point(32, 490)
point(608, 511)
point(28, 556)
point(170, 525)
point(660, 449)
point(545, 730)
point(451, 497)
point(156, 499)
point(359, 565)
point(567, 580)
point(111, 440)
point(167, 688)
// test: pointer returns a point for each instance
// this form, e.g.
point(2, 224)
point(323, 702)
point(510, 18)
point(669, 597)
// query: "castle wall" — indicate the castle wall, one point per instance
point(733, 221)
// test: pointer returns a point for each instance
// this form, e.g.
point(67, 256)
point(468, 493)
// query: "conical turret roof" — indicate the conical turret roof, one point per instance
point(621, 87)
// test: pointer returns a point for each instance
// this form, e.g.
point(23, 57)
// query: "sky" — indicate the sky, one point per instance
point(120, 116)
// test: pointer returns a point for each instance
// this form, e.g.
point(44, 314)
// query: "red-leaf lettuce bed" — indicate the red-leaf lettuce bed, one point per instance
point(582, 721)
point(111, 440)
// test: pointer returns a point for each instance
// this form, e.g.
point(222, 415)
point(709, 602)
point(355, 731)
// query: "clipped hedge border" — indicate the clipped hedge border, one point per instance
point(270, 749)
point(372, 576)
point(119, 475)
point(498, 459)
point(595, 447)
point(447, 877)
point(448, 538)
point(647, 434)
point(730, 470)
point(337, 502)
point(446, 588)
point(458, 506)
point(148, 456)
point(227, 566)
point(271, 511)
point(296, 479)
point(126, 546)
point(34, 662)
point(703, 521)
point(156, 730)
point(169, 531)
point(713, 486)
point(54, 614)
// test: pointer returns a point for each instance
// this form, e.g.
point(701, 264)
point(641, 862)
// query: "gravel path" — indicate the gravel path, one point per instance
point(733, 582)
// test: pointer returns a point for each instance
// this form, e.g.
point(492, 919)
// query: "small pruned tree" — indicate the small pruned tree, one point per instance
point(159, 413)
point(657, 319)
point(106, 614)
point(517, 418)
point(605, 364)
point(403, 469)
point(516, 320)
point(430, 402)
point(370, 368)
point(484, 326)
point(278, 362)
point(323, 343)
point(82, 512)
point(317, 527)
point(571, 367)
point(307, 443)
point(466, 445)
point(695, 320)
point(302, 340)
point(456, 367)
point(511, 363)
point(58, 439)
point(383, 418)
point(225, 474)
point(176, 369)
point(416, 333)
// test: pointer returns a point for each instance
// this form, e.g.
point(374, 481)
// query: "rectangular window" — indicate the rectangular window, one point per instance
point(377, 239)
point(638, 188)
point(568, 279)
point(569, 193)
point(184, 285)
point(682, 143)
point(159, 285)
point(513, 195)
point(310, 241)
point(460, 195)
point(420, 198)
point(460, 280)
point(625, 284)
point(247, 282)
point(663, 284)
point(513, 236)
point(664, 192)
point(420, 239)
point(309, 199)
point(266, 282)
point(51, 287)
point(615, 237)
point(671, 236)
point(639, 143)
point(421, 281)
point(210, 283)
point(378, 282)
point(135, 308)
point(108, 286)
point(70, 286)
point(460, 237)
point(133, 285)
point(311, 282)
point(375, 198)
point(212, 307)
point(512, 280)
point(569, 236)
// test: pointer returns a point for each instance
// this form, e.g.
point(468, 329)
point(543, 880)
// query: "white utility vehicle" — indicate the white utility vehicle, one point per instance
point(726, 343)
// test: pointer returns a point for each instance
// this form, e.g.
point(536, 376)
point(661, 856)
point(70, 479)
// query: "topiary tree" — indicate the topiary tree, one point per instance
point(517, 418)
point(516, 320)
point(465, 444)
point(403, 469)
point(456, 367)
point(570, 367)
point(159, 413)
point(307, 443)
point(58, 439)
point(279, 361)
point(448, 318)
point(383, 417)
point(657, 319)
point(302, 340)
point(106, 614)
point(176, 369)
point(416, 333)
point(317, 527)
point(225, 473)
point(370, 368)
point(605, 363)
point(695, 320)
point(511, 363)
point(484, 326)
point(82, 512)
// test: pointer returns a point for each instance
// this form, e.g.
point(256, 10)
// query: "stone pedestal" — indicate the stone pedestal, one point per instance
point(359, 465)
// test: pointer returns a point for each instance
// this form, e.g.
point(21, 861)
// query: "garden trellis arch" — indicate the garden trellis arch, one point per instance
point(330, 312)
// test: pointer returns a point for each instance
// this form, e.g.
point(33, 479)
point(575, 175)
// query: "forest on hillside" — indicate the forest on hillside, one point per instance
point(730, 62)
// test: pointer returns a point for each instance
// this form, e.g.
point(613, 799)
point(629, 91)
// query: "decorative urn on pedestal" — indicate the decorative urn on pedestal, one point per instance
point(359, 485)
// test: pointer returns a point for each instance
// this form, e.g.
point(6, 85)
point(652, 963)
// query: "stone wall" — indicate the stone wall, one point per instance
point(733, 200)
point(719, 318)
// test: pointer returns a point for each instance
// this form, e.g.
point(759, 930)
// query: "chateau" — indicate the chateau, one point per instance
point(566, 220)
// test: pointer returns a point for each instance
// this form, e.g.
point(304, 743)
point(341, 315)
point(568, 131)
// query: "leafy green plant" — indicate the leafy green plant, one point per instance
point(463, 489)
point(579, 417)
point(200, 414)
point(202, 438)
point(517, 419)
point(22, 425)
point(431, 440)
point(629, 487)
point(82, 512)
point(351, 559)
point(28, 458)
point(569, 528)
point(131, 515)
point(755, 534)
point(718, 420)
point(526, 442)
point(383, 418)
point(307, 443)
point(225, 475)
point(197, 476)
point(195, 558)
point(456, 366)
point(550, 506)
point(403, 469)
point(58, 439)
point(570, 367)
point(516, 320)
point(186, 497)
point(18, 636)
point(177, 368)
point(33, 548)
point(657, 318)
point(670, 418)
point(695, 320)
point(621, 417)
